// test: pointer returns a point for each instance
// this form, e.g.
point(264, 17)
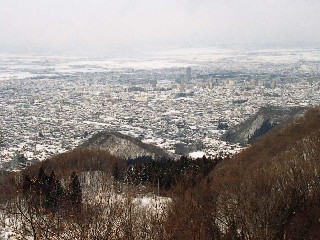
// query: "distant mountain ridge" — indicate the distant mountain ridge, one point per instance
point(125, 146)
point(260, 123)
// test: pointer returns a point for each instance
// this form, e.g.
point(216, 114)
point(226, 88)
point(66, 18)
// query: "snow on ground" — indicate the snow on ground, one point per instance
point(153, 203)
point(198, 154)
point(99, 188)
point(97, 123)
point(7, 226)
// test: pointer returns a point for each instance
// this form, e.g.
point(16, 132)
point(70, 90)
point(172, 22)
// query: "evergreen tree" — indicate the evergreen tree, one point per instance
point(41, 180)
point(51, 192)
point(75, 190)
point(26, 185)
point(116, 172)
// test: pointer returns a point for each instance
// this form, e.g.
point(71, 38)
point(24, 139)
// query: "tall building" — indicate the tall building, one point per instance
point(188, 75)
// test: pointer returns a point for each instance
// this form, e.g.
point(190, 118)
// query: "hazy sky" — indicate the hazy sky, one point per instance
point(40, 26)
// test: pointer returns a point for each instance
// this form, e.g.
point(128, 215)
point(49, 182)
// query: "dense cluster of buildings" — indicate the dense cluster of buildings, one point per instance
point(179, 109)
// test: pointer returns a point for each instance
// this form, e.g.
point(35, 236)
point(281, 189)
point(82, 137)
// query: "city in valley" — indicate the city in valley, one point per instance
point(177, 98)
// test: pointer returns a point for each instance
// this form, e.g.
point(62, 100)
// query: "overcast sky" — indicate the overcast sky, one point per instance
point(40, 26)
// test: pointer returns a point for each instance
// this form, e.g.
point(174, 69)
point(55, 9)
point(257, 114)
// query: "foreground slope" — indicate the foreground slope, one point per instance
point(270, 190)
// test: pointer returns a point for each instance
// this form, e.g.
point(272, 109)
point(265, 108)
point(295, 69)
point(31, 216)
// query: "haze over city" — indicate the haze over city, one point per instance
point(107, 28)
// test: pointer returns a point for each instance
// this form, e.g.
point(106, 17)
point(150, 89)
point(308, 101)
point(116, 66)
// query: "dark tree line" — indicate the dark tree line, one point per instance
point(47, 193)
point(166, 173)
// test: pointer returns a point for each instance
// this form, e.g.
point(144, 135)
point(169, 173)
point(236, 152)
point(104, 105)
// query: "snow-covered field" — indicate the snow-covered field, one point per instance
point(20, 67)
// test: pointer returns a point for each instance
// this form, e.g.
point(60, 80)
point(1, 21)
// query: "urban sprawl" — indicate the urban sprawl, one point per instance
point(49, 105)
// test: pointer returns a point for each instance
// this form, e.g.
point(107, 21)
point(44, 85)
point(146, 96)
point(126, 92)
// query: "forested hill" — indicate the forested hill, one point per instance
point(260, 123)
point(269, 191)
